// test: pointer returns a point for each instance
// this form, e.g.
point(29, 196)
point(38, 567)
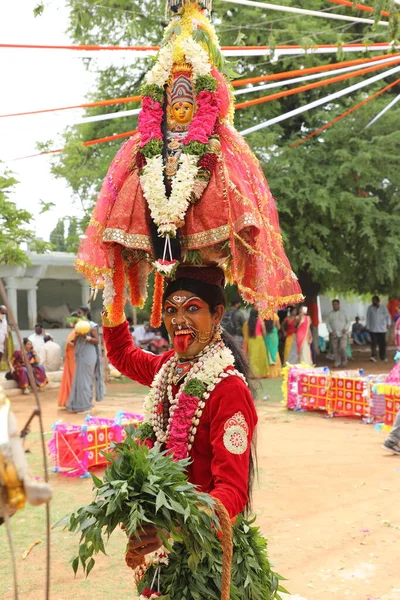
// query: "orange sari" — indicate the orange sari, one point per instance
point(68, 372)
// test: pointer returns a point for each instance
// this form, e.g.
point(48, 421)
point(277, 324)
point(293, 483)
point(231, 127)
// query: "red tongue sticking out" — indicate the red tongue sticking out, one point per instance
point(182, 341)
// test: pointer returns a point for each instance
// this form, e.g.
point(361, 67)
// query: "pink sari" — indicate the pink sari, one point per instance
point(303, 335)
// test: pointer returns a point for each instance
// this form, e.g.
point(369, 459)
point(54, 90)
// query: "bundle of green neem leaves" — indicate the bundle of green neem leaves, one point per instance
point(143, 485)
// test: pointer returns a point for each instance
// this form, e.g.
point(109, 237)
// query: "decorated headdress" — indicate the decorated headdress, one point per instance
point(181, 89)
point(190, 195)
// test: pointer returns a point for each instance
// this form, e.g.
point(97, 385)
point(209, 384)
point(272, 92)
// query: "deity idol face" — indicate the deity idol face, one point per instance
point(189, 322)
point(182, 113)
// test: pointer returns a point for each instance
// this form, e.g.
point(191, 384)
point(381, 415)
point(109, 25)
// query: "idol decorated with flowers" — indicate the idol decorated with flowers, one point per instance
point(186, 189)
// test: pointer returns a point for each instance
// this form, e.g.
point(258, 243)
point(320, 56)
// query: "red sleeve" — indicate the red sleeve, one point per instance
point(232, 418)
point(130, 360)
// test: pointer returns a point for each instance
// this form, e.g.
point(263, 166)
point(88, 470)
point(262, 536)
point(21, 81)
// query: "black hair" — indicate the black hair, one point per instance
point(376, 298)
point(269, 325)
point(214, 296)
point(25, 341)
point(39, 325)
point(47, 338)
point(86, 312)
point(252, 322)
point(336, 300)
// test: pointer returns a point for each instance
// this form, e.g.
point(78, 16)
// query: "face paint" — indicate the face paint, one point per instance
point(189, 323)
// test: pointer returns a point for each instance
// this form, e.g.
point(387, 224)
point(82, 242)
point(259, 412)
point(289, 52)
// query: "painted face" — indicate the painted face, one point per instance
point(189, 322)
point(182, 112)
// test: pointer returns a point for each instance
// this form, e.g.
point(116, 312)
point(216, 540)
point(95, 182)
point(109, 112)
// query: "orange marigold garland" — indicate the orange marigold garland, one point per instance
point(116, 310)
point(156, 311)
point(134, 279)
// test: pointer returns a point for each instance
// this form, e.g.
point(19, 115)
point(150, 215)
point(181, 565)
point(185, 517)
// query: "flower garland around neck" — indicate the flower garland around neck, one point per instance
point(178, 430)
point(200, 151)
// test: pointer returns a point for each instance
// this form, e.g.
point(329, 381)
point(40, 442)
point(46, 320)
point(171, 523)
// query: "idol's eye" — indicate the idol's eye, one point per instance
point(170, 310)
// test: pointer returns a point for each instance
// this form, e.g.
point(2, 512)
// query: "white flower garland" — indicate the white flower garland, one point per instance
point(194, 54)
point(161, 71)
point(197, 57)
point(210, 370)
point(168, 212)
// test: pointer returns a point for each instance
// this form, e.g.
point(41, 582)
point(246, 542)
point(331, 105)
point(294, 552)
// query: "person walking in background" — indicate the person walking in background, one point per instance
point(304, 337)
point(50, 355)
point(233, 321)
point(338, 326)
point(378, 322)
point(19, 372)
point(88, 370)
point(272, 327)
point(37, 338)
point(289, 330)
point(69, 363)
point(254, 345)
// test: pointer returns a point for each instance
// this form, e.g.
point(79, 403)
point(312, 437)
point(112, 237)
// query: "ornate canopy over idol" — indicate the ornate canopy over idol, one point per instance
point(186, 189)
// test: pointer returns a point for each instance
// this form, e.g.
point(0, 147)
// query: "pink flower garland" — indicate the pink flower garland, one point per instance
point(204, 120)
point(150, 120)
point(200, 129)
point(180, 426)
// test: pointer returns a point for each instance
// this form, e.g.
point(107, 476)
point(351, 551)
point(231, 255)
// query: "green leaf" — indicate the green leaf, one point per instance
point(97, 482)
point(38, 10)
point(75, 564)
point(90, 566)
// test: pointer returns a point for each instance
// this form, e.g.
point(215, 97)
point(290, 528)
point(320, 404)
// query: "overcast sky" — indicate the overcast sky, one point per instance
point(32, 80)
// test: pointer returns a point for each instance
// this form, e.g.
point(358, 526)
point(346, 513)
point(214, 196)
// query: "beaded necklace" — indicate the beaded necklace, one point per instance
point(161, 405)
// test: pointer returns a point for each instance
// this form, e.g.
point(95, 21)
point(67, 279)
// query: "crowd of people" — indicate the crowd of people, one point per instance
point(379, 322)
point(82, 370)
point(268, 344)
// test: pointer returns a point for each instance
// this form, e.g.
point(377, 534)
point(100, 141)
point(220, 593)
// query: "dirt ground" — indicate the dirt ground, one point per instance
point(327, 500)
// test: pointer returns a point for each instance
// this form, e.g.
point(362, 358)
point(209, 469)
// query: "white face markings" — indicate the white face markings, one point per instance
point(179, 299)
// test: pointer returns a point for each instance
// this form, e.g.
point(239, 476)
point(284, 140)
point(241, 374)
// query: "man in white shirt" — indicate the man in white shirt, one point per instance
point(378, 322)
point(3, 330)
point(37, 338)
point(338, 327)
point(50, 354)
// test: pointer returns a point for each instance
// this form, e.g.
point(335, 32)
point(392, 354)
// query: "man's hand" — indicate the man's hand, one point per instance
point(144, 541)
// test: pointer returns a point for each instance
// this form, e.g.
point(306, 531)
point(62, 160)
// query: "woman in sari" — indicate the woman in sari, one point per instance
point(69, 364)
point(88, 370)
point(304, 337)
point(254, 345)
point(19, 372)
point(272, 328)
point(289, 329)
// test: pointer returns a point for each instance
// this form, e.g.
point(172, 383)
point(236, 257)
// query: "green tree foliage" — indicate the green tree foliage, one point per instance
point(57, 236)
point(337, 194)
point(72, 241)
point(69, 242)
point(14, 222)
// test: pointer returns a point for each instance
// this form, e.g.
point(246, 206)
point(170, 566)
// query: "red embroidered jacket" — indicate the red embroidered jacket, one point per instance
point(220, 453)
